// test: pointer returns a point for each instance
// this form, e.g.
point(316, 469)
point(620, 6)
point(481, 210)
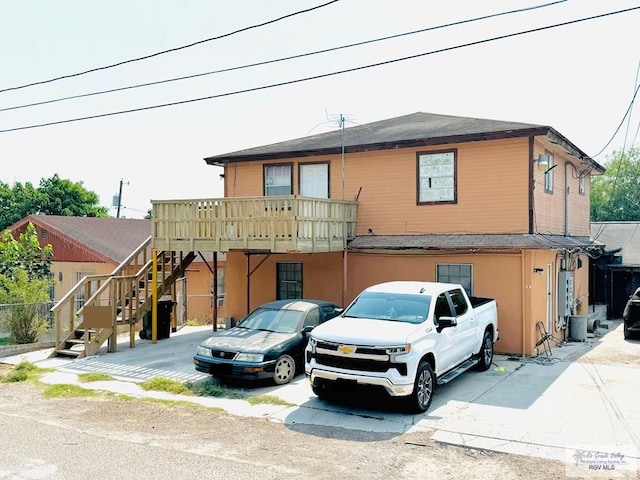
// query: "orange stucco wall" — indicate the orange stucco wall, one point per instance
point(518, 283)
point(322, 279)
point(549, 207)
point(492, 177)
point(65, 274)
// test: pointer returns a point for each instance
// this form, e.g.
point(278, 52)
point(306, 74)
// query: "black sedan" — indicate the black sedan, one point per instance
point(631, 315)
point(268, 343)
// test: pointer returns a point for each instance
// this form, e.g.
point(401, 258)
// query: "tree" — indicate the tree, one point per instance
point(615, 196)
point(25, 254)
point(55, 196)
point(25, 281)
point(17, 202)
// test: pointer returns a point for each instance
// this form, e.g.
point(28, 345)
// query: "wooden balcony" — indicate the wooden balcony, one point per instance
point(282, 224)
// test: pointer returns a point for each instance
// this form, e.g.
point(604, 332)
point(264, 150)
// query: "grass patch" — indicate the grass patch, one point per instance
point(65, 390)
point(212, 388)
point(94, 377)
point(165, 385)
point(269, 400)
point(22, 372)
point(194, 322)
point(5, 341)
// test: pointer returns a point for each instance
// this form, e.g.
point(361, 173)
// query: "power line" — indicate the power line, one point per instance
point(324, 75)
point(635, 94)
point(292, 57)
point(169, 50)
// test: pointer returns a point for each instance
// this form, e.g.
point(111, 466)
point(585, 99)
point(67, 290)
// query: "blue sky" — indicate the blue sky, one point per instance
point(578, 79)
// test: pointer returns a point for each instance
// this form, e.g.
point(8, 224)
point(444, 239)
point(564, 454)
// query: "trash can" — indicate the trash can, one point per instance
point(577, 328)
point(165, 307)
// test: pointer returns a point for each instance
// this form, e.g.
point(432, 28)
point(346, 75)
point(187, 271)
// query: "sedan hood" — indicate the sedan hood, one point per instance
point(246, 340)
point(365, 331)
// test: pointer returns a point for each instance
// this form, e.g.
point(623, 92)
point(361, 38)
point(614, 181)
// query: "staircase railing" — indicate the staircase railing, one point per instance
point(90, 312)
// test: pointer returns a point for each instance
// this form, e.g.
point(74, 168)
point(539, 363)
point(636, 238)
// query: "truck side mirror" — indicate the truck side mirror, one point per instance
point(445, 322)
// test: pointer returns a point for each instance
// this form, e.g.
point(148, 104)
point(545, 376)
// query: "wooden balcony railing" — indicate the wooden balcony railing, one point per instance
point(280, 224)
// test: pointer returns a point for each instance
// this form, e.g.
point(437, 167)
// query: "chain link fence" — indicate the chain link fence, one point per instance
point(41, 312)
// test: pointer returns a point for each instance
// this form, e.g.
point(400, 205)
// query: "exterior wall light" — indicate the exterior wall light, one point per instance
point(543, 162)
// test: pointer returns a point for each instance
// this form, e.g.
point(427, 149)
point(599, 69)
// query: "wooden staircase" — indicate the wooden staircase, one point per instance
point(99, 306)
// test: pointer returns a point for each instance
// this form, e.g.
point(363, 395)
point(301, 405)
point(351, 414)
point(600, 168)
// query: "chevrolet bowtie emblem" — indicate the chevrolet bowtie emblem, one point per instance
point(346, 349)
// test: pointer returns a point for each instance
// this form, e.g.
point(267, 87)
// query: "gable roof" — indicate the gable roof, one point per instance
point(413, 130)
point(619, 236)
point(110, 240)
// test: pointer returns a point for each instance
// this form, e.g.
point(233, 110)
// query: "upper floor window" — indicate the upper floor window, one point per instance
point(437, 177)
point(314, 179)
point(548, 175)
point(278, 180)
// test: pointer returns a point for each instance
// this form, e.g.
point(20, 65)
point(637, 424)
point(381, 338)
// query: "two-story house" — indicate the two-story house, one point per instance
point(500, 207)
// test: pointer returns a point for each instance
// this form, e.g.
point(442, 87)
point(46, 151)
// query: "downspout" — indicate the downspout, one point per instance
point(566, 200)
point(524, 301)
point(531, 186)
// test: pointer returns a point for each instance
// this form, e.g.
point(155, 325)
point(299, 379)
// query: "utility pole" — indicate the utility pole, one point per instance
point(117, 200)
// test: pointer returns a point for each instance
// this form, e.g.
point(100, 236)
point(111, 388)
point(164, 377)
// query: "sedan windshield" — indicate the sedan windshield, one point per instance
point(390, 306)
point(273, 320)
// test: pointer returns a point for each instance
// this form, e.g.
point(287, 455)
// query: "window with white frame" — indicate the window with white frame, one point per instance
point(548, 175)
point(455, 273)
point(221, 288)
point(436, 177)
point(80, 298)
point(582, 188)
point(278, 180)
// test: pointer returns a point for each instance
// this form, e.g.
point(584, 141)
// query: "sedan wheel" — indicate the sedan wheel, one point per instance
point(285, 370)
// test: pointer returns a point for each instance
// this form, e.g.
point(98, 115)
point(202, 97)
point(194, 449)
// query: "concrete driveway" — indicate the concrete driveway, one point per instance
point(583, 397)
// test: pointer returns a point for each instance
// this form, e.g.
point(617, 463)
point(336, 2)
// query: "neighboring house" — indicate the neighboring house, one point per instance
point(501, 207)
point(616, 274)
point(96, 246)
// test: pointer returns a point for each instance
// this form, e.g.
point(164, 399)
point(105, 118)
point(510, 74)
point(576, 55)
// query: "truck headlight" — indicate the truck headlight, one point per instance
point(312, 344)
point(203, 351)
point(398, 350)
point(250, 357)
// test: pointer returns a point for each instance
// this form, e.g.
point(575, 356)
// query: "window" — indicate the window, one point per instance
point(581, 185)
point(548, 175)
point(221, 290)
point(289, 280)
point(312, 319)
point(442, 308)
point(459, 302)
point(278, 180)
point(314, 179)
point(455, 273)
point(80, 299)
point(436, 177)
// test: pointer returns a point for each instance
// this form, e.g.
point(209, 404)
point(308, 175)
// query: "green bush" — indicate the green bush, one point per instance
point(24, 297)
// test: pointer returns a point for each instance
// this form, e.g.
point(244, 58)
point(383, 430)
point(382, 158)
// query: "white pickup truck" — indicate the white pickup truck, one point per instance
point(405, 337)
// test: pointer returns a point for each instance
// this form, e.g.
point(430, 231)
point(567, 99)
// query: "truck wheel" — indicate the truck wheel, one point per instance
point(425, 382)
point(485, 355)
point(627, 334)
point(322, 390)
